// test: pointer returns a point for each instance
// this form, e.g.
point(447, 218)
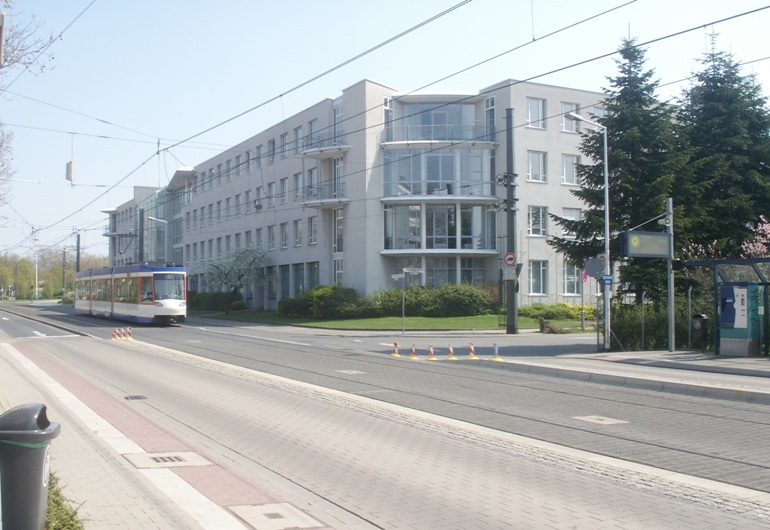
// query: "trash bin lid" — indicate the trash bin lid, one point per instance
point(27, 424)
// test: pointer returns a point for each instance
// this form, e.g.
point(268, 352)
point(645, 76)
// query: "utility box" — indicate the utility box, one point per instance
point(740, 312)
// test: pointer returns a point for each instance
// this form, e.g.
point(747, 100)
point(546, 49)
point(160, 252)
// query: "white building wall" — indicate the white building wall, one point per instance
point(367, 267)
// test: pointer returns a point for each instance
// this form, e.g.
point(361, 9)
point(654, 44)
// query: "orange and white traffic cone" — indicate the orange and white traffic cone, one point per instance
point(395, 350)
point(129, 334)
point(472, 351)
point(122, 333)
point(114, 334)
point(413, 353)
point(431, 356)
point(451, 355)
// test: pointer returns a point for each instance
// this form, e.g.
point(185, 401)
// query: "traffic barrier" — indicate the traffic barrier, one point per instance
point(395, 350)
point(431, 356)
point(413, 354)
point(472, 352)
point(114, 334)
point(129, 334)
point(122, 333)
point(451, 356)
point(496, 356)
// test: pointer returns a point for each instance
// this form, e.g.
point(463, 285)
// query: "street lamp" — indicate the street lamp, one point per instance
point(607, 277)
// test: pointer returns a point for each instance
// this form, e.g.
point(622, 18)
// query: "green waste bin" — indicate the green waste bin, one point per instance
point(25, 462)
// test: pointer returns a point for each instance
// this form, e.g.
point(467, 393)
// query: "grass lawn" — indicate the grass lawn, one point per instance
point(388, 323)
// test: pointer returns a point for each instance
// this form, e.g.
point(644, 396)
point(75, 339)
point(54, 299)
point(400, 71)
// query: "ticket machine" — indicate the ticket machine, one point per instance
point(740, 311)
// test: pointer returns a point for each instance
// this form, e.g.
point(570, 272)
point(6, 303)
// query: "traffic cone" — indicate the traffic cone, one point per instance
point(496, 356)
point(451, 355)
point(114, 334)
point(395, 350)
point(413, 354)
point(122, 333)
point(431, 356)
point(129, 334)
point(472, 351)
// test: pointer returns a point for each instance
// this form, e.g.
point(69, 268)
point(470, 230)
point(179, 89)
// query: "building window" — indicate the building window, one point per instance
point(258, 156)
point(284, 235)
point(247, 200)
point(338, 271)
point(195, 251)
point(247, 163)
point(228, 170)
point(298, 140)
point(489, 116)
point(228, 244)
point(284, 271)
point(187, 224)
point(271, 282)
point(211, 214)
point(538, 277)
point(536, 166)
point(270, 151)
point(284, 190)
point(569, 169)
point(569, 124)
point(297, 232)
point(228, 208)
point(299, 278)
point(313, 275)
point(473, 271)
point(271, 237)
point(219, 211)
point(271, 194)
point(572, 278)
point(238, 204)
point(210, 183)
point(219, 247)
point(537, 221)
point(297, 186)
point(440, 271)
point(237, 169)
point(573, 214)
point(219, 174)
point(312, 230)
point(338, 226)
point(258, 198)
point(536, 113)
point(284, 145)
point(312, 183)
point(258, 239)
point(249, 239)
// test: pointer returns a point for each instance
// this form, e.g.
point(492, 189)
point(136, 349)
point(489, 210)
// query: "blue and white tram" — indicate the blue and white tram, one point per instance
point(139, 293)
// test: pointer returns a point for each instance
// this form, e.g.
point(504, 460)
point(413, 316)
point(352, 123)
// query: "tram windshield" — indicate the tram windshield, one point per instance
point(169, 286)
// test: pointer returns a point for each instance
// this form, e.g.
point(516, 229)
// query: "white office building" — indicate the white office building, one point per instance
point(354, 190)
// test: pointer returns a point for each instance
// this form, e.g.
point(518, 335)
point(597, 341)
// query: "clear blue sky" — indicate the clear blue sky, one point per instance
point(125, 75)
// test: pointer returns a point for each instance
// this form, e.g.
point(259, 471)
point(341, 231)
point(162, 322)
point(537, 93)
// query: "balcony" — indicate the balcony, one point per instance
point(321, 146)
point(325, 196)
point(465, 246)
point(415, 135)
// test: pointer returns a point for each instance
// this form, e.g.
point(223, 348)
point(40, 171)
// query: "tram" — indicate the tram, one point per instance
point(145, 294)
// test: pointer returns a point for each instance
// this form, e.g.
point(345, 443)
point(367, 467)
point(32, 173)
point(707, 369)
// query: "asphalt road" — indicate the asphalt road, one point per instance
point(401, 470)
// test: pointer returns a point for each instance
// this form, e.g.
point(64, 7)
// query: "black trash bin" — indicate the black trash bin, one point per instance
point(25, 461)
point(699, 330)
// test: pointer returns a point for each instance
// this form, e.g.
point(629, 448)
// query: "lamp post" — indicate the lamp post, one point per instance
point(607, 277)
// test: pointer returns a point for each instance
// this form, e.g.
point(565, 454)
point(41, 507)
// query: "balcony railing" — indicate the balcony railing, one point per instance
point(429, 187)
point(479, 242)
point(322, 141)
point(438, 133)
point(327, 191)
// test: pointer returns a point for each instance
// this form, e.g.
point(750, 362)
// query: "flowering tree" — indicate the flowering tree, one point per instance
point(758, 246)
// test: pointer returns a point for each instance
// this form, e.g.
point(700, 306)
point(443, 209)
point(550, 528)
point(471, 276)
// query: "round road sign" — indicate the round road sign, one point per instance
point(509, 259)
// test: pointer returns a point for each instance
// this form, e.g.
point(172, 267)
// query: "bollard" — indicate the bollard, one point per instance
point(129, 334)
point(431, 356)
point(413, 353)
point(395, 350)
point(472, 352)
point(25, 464)
point(451, 354)
point(496, 356)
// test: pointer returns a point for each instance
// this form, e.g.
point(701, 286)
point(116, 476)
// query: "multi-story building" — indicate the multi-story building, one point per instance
point(355, 190)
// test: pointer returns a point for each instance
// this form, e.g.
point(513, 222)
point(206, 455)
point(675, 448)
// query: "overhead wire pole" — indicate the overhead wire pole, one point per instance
point(512, 320)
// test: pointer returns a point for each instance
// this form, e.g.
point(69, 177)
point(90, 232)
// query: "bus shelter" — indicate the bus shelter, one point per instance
point(741, 322)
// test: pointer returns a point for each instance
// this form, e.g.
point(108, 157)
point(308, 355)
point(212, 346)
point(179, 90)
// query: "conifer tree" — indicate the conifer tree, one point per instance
point(643, 162)
point(725, 189)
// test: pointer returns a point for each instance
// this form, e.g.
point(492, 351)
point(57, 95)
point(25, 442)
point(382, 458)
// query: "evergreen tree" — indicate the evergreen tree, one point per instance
point(643, 162)
point(725, 189)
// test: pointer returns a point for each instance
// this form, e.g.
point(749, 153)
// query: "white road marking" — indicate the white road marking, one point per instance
point(600, 419)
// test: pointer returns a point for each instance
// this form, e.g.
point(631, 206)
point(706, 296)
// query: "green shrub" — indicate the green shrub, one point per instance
point(238, 305)
point(330, 302)
point(211, 301)
point(463, 300)
point(60, 515)
point(297, 307)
